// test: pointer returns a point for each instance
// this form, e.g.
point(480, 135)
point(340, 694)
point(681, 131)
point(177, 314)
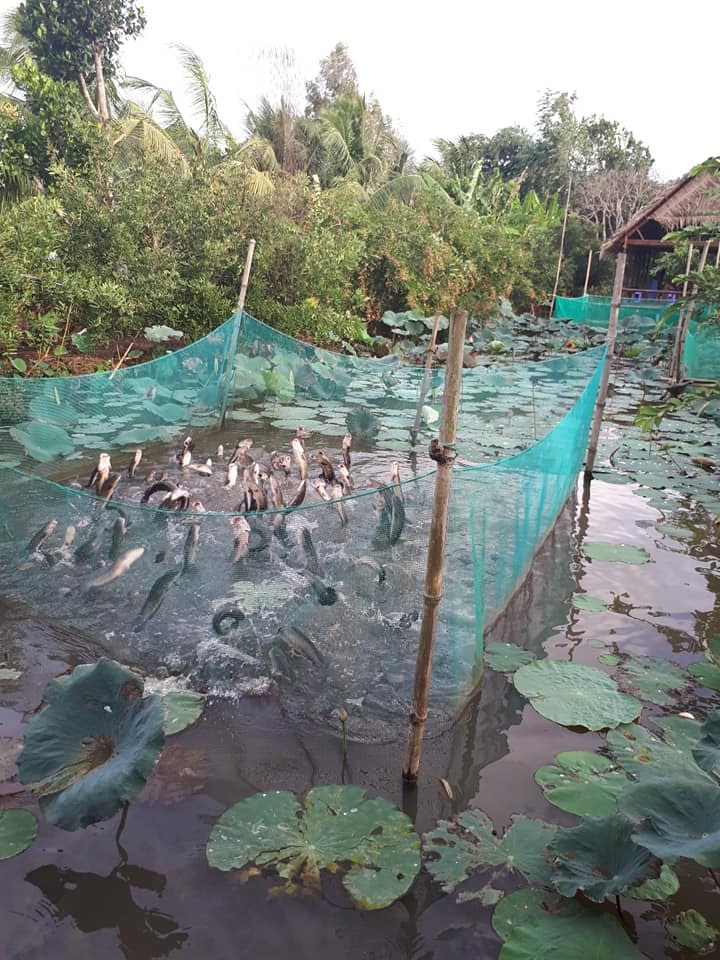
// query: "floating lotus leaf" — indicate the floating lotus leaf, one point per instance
point(644, 755)
point(601, 858)
point(707, 674)
point(8, 673)
point(455, 848)
point(616, 552)
point(609, 659)
point(182, 708)
point(160, 332)
point(280, 384)
point(582, 783)
point(691, 929)
point(18, 829)
point(93, 745)
point(652, 678)
point(336, 825)
point(507, 657)
point(575, 695)
point(660, 889)
point(679, 817)
point(43, 441)
point(707, 752)
point(584, 601)
point(538, 925)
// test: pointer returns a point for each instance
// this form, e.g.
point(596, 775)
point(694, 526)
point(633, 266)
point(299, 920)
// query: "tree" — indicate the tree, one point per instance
point(77, 39)
point(336, 78)
point(609, 198)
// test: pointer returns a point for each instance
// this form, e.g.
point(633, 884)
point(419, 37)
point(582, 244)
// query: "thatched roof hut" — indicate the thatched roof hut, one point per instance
point(693, 200)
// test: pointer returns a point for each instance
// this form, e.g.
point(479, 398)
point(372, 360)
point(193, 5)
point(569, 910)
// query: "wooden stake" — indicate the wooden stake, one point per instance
point(436, 546)
point(426, 379)
point(236, 331)
point(562, 246)
point(587, 273)
point(684, 323)
point(605, 376)
point(674, 371)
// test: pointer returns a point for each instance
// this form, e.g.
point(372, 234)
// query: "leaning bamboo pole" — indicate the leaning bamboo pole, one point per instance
point(444, 453)
point(674, 371)
point(605, 376)
point(236, 331)
point(562, 246)
point(415, 428)
point(587, 273)
point(685, 325)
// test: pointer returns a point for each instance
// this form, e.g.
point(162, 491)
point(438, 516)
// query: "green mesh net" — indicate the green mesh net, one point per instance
point(595, 311)
point(319, 601)
point(701, 352)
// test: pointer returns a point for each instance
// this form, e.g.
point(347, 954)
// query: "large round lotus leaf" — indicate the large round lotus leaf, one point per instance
point(582, 783)
point(691, 929)
point(507, 657)
point(587, 935)
point(93, 745)
point(336, 825)
point(575, 695)
point(652, 678)
point(182, 708)
point(600, 858)
point(528, 906)
point(455, 848)
point(616, 552)
point(680, 817)
point(659, 889)
point(707, 674)
point(18, 829)
point(707, 752)
point(646, 756)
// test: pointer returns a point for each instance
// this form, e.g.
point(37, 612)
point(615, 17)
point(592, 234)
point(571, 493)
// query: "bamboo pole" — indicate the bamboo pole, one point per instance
point(562, 246)
point(436, 545)
point(587, 273)
point(685, 326)
point(236, 330)
point(674, 371)
point(414, 430)
point(605, 376)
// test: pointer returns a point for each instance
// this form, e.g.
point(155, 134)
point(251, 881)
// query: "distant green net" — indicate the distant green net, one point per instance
point(320, 602)
point(595, 311)
point(701, 353)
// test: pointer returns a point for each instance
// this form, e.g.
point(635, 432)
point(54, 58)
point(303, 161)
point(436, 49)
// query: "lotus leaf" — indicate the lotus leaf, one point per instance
point(537, 925)
point(707, 674)
point(679, 817)
point(160, 332)
point(507, 657)
point(707, 752)
point(18, 829)
point(7, 673)
point(644, 755)
point(582, 783)
point(600, 857)
point(575, 695)
point(584, 601)
point(93, 745)
point(660, 889)
point(609, 659)
point(652, 678)
point(336, 824)
point(488, 896)
point(43, 441)
point(691, 929)
point(279, 384)
point(182, 708)
point(455, 848)
point(616, 552)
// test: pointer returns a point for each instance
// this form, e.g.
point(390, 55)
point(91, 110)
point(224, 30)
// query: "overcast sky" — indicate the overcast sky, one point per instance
point(451, 68)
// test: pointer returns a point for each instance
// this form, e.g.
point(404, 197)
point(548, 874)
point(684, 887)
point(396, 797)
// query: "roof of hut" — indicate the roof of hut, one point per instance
point(693, 200)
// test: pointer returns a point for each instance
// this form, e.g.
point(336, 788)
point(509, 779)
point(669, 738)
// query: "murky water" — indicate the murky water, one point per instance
point(81, 895)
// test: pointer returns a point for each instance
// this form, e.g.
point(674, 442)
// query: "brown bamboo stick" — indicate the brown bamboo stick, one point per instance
point(605, 376)
point(685, 325)
point(414, 430)
point(675, 362)
point(562, 246)
point(436, 545)
point(236, 330)
point(587, 273)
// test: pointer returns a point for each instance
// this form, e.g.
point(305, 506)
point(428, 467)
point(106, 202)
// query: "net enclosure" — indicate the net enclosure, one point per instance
point(299, 570)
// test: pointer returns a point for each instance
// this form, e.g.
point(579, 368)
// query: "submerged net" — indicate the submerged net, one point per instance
point(323, 600)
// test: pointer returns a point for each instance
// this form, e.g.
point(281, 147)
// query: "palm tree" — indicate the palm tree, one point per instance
point(358, 142)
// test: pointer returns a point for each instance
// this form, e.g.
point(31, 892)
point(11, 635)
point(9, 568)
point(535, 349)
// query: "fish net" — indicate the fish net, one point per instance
point(701, 352)
point(595, 311)
point(318, 603)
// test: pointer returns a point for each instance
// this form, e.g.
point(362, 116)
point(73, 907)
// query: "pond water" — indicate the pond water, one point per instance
point(151, 894)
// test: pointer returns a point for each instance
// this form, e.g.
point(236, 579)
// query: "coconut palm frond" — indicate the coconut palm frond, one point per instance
point(258, 153)
point(137, 134)
point(202, 99)
point(13, 46)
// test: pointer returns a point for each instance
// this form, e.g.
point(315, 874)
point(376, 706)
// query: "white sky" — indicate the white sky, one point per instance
point(453, 68)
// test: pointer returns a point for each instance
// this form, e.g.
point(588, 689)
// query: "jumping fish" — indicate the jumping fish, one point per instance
point(118, 533)
point(234, 614)
point(109, 486)
point(87, 548)
point(100, 472)
point(309, 548)
point(166, 486)
point(231, 474)
point(185, 455)
point(241, 535)
point(155, 598)
point(121, 566)
point(240, 453)
point(296, 641)
point(325, 464)
point(374, 565)
point(279, 663)
point(204, 469)
point(325, 593)
point(190, 548)
point(335, 499)
point(41, 536)
point(346, 447)
point(300, 458)
point(280, 462)
point(299, 494)
point(135, 462)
